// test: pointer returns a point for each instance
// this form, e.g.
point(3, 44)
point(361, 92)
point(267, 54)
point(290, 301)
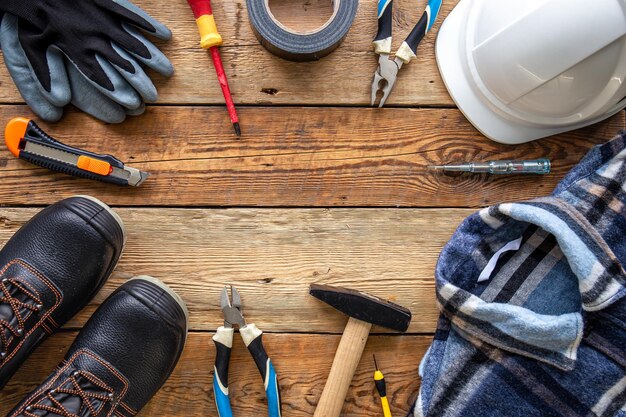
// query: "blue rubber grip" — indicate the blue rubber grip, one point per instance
point(384, 19)
point(434, 7)
point(220, 379)
point(273, 392)
point(424, 25)
point(222, 401)
point(266, 368)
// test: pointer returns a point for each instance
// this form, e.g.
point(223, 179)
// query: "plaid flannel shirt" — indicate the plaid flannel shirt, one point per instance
point(533, 302)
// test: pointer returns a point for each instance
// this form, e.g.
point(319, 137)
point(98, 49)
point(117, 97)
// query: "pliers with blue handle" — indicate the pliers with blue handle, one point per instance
point(252, 337)
point(387, 71)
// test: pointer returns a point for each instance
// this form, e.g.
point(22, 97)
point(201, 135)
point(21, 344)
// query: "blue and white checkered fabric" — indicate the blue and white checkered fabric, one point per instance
point(544, 332)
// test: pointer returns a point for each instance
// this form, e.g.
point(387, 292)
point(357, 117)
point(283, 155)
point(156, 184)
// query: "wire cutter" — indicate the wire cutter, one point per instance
point(387, 71)
point(252, 337)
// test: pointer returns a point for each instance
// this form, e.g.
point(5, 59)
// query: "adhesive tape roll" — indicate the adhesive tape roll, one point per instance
point(301, 46)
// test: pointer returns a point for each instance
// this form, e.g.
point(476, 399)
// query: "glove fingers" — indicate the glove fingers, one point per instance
point(37, 57)
point(121, 91)
point(136, 112)
point(90, 66)
point(137, 17)
point(157, 61)
point(17, 63)
point(123, 38)
point(138, 79)
point(129, 84)
point(57, 91)
point(91, 100)
point(60, 93)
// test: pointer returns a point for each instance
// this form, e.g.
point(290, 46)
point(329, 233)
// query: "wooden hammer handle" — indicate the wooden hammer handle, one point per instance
point(344, 366)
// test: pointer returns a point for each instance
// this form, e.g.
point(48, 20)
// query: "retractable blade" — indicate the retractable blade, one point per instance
point(29, 142)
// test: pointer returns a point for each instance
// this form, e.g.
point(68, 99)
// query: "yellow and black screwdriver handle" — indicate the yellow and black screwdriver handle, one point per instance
point(381, 387)
point(20, 132)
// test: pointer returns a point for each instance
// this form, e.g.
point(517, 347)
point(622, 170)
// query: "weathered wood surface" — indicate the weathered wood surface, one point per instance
point(335, 155)
point(302, 361)
point(272, 256)
point(258, 77)
point(296, 157)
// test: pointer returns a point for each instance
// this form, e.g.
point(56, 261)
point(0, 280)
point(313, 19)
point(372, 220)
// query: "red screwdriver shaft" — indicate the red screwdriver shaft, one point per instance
point(221, 76)
point(210, 39)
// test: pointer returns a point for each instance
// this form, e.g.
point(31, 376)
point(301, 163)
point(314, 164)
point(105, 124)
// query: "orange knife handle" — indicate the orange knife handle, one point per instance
point(21, 131)
point(14, 134)
point(209, 36)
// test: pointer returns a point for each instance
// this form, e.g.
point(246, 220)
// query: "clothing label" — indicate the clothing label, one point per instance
point(491, 265)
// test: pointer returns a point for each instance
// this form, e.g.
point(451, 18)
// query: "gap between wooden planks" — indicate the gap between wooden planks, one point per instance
point(302, 362)
point(296, 157)
point(258, 77)
point(272, 256)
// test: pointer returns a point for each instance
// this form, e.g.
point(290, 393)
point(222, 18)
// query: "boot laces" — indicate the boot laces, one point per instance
point(16, 305)
point(79, 381)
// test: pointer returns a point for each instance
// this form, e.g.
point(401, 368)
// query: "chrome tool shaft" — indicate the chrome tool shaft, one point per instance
point(537, 166)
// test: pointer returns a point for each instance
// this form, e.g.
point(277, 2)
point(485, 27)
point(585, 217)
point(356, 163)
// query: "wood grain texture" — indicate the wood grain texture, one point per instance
point(258, 77)
point(272, 256)
point(302, 362)
point(308, 158)
point(296, 157)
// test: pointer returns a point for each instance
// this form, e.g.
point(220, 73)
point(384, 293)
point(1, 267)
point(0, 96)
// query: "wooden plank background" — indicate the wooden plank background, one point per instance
point(320, 188)
point(303, 157)
point(259, 78)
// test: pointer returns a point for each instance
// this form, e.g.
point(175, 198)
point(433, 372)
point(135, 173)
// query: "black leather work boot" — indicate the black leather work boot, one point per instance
point(50, 269)
point(120, 359)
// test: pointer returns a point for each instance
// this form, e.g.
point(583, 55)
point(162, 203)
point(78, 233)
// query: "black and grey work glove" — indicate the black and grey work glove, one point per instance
point(89, 52)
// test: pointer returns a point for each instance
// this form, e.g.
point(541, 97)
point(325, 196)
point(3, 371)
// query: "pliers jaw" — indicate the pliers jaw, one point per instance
point(385, 78)
point(232, 308)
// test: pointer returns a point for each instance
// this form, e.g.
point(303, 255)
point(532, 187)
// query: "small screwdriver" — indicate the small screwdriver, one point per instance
point(381, 386)
point(537, 166)
point(210, 39)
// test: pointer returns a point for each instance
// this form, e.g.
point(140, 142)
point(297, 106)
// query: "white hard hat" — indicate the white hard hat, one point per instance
point(521, 70)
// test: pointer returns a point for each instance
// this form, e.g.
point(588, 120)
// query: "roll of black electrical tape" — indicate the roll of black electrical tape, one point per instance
point(305, 46)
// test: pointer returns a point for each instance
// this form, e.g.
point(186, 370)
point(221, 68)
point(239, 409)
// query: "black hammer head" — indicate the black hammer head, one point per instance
point(363, 306)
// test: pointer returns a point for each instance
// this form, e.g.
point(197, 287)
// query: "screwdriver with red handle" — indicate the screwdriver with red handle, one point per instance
point(210, 39)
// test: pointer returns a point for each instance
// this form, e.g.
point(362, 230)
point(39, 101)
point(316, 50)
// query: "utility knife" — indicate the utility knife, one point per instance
point(29, 142)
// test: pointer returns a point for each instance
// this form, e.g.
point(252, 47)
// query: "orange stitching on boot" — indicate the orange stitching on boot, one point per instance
point(77, 391)
point(53, 322)
point(16, 306)
point(46, 282)
point(43, 325)
point(65, 365)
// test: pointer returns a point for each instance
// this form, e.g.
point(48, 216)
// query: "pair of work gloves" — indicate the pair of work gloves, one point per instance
point(91, 53)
